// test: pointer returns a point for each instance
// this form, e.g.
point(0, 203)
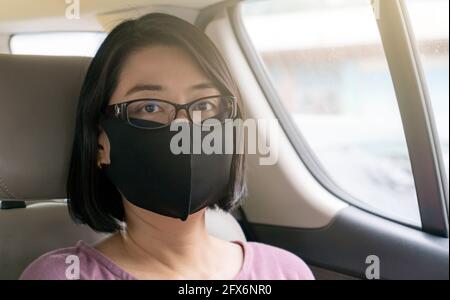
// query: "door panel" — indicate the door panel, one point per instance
point(344, 245)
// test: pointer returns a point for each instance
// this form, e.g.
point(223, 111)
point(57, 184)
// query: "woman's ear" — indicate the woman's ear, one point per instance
point(103, 149)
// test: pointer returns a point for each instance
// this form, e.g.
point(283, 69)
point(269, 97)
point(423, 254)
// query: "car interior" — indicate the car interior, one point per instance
point(298, 203)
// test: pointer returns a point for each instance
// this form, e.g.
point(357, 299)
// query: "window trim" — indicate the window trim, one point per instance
point(301, 146)
point(428, 102)
point(417, 115)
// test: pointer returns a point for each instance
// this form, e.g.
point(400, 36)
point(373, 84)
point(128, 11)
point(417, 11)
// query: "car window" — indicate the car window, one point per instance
point(430, 24)
point(326, 62)
point(57, 43)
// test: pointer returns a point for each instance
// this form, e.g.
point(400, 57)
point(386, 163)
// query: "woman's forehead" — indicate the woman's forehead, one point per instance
point(160, 70)
point(161, 62)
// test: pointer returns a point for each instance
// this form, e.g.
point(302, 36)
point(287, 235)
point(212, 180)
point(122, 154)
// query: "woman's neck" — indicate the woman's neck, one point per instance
point(171, 243)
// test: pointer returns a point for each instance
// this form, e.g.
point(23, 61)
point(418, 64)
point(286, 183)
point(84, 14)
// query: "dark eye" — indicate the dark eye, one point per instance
point(204, 106)
point(151, 108)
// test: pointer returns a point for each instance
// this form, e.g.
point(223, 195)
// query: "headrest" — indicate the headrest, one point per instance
point(38, 101)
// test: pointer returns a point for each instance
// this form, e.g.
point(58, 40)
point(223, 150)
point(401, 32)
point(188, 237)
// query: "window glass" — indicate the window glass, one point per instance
point(327, 64)
point(57, 43)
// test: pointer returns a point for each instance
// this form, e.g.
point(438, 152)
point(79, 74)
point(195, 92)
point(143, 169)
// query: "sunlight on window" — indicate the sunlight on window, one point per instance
point(57, 43)
point(327, 63)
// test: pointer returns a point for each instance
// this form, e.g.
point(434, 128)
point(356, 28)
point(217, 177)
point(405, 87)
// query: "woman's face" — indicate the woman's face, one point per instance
point(162, 72)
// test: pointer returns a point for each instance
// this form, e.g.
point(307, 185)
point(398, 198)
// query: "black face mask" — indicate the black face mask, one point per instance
point(144, 169)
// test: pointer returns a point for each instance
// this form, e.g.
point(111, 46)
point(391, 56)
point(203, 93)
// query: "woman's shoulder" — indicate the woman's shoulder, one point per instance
point(262, 261)
point(54, 264)
point(77, 262)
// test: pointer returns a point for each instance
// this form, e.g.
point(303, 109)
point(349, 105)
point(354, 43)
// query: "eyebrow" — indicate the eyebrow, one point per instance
point(144, 87)
point(156, 87)
point(203, 85)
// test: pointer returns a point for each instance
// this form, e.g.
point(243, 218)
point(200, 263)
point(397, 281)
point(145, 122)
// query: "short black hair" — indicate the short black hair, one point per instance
point(92, 197)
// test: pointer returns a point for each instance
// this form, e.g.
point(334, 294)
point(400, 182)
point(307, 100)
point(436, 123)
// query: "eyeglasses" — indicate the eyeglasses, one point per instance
point(157, 113)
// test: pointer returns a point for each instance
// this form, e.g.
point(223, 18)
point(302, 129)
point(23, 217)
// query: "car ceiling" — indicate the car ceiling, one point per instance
point(44, 15)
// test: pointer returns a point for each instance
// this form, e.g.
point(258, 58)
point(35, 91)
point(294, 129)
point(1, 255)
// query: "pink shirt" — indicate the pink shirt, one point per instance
point(260, 262)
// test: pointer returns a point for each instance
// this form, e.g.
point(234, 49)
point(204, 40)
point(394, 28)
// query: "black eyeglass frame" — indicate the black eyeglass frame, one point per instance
point(119, 110)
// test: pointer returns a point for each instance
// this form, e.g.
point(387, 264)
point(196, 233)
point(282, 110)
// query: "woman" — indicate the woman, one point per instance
point(124, 178)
